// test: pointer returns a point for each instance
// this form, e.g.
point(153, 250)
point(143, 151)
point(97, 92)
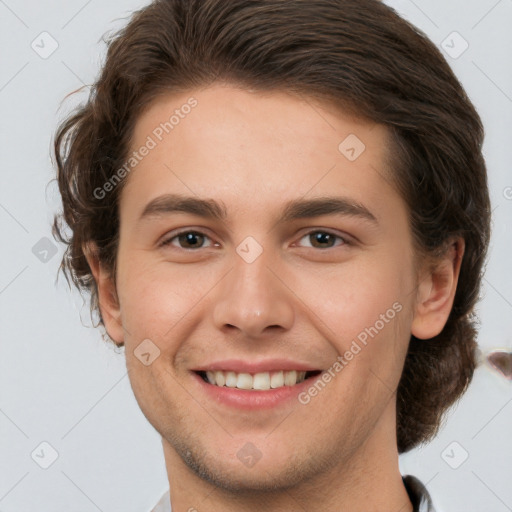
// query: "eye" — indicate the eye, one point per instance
point(323, 239)
point(187, 240)
point(318, 239)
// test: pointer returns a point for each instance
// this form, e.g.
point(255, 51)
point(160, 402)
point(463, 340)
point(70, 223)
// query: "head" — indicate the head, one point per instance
point(250, 104)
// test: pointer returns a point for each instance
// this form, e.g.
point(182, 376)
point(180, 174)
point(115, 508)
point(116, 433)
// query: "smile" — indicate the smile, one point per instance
point(256, 381)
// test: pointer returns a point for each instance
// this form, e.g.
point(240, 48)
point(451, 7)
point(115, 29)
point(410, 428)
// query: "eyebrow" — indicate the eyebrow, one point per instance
point(171, 203)
point(295, 209)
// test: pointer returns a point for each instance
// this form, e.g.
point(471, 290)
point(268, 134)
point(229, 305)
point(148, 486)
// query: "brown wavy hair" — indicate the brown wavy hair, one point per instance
point(357, 53)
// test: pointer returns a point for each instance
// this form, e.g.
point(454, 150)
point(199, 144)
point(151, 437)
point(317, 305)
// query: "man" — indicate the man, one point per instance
point(280, 210)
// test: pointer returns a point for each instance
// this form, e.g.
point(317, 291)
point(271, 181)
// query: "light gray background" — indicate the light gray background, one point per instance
point(59, 382)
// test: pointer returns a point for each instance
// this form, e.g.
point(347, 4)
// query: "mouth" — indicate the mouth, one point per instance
point(262, 381)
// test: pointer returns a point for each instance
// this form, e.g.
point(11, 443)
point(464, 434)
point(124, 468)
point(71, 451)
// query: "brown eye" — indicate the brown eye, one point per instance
point(187, 240)
point(323, 239)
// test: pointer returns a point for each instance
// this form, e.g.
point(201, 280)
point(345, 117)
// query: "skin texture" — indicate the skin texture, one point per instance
point(253, 152)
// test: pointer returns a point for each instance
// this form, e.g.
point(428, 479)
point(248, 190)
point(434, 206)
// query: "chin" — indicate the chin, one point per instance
point(261, 477)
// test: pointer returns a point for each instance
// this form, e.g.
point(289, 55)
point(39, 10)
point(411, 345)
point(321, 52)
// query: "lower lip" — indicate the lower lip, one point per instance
point(249, 399)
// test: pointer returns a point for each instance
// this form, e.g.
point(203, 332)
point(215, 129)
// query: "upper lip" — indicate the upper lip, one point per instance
point(267, 365)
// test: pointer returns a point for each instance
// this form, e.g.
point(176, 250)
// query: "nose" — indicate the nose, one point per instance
point(253, 300)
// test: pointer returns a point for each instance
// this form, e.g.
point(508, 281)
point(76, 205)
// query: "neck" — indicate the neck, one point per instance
point(370, 481)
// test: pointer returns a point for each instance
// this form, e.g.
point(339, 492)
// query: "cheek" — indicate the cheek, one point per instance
point(352, 296)
point(363, 310)
point(154, 298)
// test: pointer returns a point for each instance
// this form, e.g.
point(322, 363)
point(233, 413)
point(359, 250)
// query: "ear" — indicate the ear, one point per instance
point(107, 295)
point(436, 293)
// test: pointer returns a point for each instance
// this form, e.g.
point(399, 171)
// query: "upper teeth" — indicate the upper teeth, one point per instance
point(264, 380)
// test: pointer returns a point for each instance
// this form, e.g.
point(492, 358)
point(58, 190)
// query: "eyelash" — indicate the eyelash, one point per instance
point(168, 241)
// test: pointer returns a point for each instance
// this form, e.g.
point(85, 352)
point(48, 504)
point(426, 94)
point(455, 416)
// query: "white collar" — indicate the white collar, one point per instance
point(164, 503)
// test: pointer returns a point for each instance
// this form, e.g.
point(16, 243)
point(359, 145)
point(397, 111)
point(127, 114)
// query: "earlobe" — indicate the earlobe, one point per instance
point(436, 293)
point(107, 295)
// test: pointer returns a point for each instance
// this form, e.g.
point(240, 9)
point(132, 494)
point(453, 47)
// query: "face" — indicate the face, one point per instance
point(260, 244)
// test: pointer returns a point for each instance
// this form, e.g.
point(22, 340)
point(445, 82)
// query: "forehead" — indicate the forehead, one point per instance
point(246, 146)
